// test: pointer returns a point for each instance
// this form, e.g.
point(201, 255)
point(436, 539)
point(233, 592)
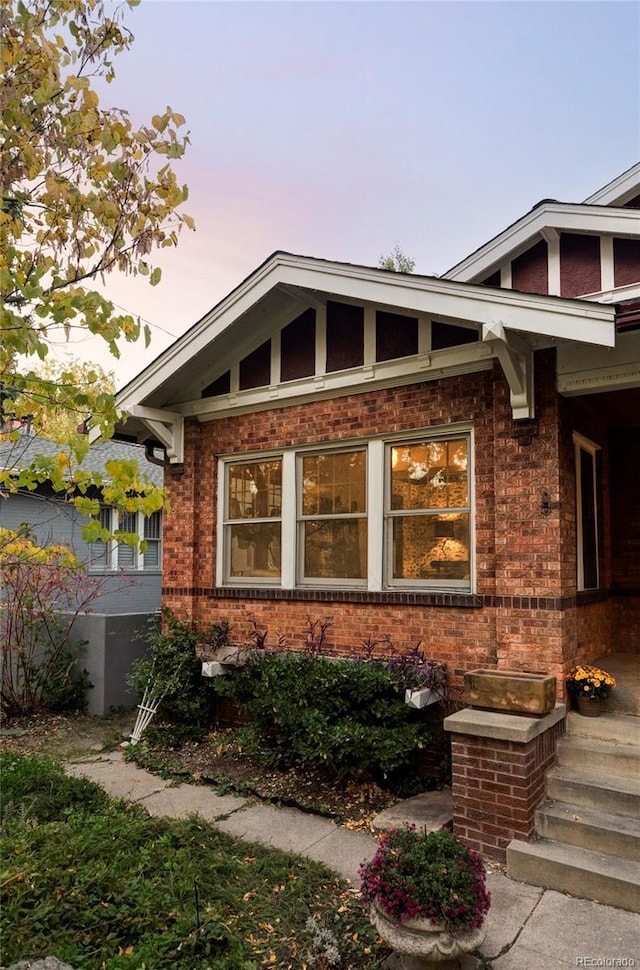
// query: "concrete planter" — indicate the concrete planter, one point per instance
point(510, 692)
point(422, 944)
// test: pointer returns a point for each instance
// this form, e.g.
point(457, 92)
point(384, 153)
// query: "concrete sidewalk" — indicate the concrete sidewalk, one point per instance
point(538, 929)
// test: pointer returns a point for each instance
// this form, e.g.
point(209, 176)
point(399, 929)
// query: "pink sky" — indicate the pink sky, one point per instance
point(338, 129)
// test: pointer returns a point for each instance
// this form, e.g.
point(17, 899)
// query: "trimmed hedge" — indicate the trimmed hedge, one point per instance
point(347, 715)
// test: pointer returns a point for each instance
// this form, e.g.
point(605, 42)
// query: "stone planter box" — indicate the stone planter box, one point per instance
point(510, 691)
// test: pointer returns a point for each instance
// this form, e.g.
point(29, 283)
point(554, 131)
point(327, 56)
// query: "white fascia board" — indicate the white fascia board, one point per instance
point(450, 301)
point(560, 216)
point(618, 191)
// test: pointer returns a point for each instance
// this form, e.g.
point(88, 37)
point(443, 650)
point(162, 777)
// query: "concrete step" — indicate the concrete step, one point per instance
point(603, 757)
point(580, 872)
point(579, 786)
point(591, 829)
point(624, 728)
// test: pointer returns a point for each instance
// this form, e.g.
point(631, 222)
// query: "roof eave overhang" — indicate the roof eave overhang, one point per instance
point(442, 299)
point(509, 323)
point(556, 216)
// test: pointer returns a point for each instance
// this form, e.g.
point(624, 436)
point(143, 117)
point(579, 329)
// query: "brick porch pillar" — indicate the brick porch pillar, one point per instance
point(499, 763)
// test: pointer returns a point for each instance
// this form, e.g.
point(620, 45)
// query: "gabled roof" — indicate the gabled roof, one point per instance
point(604, 212)
point(282, 286)
point(16, 455)
point(509, 326)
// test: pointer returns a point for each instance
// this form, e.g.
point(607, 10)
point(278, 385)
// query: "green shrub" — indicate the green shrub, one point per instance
point(172, 664)
point(36, 789)
point(347, 715)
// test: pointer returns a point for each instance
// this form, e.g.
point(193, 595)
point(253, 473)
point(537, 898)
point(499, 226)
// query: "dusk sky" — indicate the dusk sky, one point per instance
point(336, 129)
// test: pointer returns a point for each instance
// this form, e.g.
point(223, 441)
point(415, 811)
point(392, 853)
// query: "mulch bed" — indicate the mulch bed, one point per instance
point(217, 761)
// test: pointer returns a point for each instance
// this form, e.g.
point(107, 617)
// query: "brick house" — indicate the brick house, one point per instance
point(449, 460)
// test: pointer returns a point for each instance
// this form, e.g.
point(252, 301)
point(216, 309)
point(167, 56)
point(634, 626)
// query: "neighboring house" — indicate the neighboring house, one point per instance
point(130, 580)
point(449, 460)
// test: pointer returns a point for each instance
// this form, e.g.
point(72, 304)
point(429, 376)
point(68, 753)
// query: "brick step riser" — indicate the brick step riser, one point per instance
point(601, 799)
point(587, 835)
point(618, 762)
point(568, 878)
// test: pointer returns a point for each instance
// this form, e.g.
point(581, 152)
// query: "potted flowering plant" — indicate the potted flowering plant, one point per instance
point(589, 686)
point(427, 894)
point(590, 681)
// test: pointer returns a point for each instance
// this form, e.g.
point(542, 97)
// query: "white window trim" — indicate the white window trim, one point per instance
point(378, 555)
point(584, 444)
point(137, 564)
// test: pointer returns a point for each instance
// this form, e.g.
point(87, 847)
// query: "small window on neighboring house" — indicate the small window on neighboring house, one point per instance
point(153, 538)
point(100, 551)
point(126, 555)
point(587, 513)
point(118, 555)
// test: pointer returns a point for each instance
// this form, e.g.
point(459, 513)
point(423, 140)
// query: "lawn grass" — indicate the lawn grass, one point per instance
point(102, 886)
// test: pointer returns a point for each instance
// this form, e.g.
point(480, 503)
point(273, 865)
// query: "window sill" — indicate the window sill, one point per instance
point(389, 596)
point(124, 571)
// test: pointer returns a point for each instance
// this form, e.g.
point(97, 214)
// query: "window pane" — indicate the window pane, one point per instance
point(152, 555)
point(127, 554)
point(431, 547)
point(98, 550)
point(588, 524)
point(334, 483)
point(255, 549)
point(335, 549)
point(152, 525)
point(255, 490)
point(430, 475)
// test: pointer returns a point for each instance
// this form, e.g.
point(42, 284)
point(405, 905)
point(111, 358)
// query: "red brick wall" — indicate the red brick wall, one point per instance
point(517, 621)
point(497, 786)
point(528, 544)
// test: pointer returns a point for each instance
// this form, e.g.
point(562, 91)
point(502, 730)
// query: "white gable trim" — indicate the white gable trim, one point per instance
point(557, 216)
point(623, 188)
